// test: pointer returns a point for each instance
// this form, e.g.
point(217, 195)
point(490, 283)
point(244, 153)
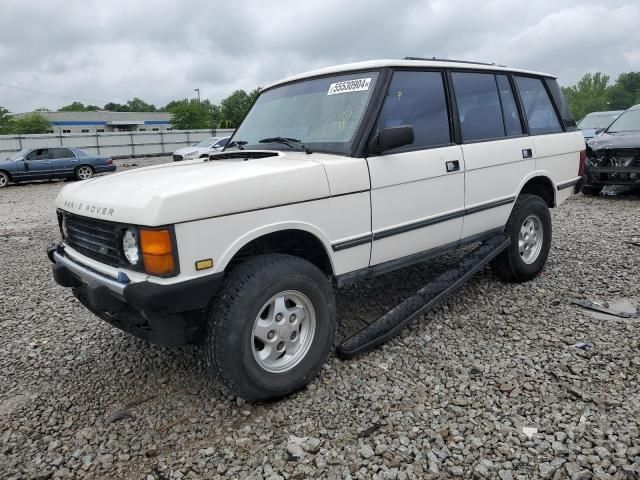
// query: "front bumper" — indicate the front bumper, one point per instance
point(158, 313)
point(612, 175)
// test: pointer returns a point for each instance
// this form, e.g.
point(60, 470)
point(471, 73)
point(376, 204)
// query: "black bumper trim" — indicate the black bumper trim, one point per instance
point(178, 297)
point(183, 296)
point(569, 184)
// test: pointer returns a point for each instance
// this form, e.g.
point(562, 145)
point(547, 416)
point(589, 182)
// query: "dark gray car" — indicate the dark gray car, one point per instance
point(613, 157)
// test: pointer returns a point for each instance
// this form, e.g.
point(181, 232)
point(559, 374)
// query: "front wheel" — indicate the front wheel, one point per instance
point(84, 172)
point(271, 327)
point(529, 228)
point(4, 179)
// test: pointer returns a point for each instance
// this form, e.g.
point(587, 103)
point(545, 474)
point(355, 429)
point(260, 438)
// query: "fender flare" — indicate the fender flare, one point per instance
point(538, 174)
point(264, 230)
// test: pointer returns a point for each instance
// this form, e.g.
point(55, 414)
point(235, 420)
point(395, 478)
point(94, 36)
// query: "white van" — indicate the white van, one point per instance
point(333, 176)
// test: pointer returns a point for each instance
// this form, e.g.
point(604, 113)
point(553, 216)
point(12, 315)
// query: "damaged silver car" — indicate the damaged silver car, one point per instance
point(613, 157)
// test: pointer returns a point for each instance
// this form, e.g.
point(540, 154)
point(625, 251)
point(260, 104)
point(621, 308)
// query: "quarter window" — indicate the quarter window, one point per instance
point(478, 106)
point(417, 99)
point(538, 108)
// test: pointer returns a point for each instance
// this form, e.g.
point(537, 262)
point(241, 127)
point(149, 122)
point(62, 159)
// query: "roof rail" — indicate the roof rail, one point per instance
point(434, 59)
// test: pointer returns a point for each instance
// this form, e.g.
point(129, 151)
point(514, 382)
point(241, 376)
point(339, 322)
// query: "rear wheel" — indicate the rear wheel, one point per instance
point(4, 179)
point(84, 172)
point(271, 327)
point(591, 190)
point(529, 228)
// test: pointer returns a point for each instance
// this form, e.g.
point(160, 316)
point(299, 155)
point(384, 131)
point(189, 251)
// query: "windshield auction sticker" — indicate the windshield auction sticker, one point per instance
point(356, 85)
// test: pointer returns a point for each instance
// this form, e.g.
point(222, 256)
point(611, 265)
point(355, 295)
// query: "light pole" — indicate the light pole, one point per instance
point(197, 90)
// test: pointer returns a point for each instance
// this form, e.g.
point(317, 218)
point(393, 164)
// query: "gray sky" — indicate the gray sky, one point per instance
point(162, 50)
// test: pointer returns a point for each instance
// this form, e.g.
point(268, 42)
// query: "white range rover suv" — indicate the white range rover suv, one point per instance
point(333, 176)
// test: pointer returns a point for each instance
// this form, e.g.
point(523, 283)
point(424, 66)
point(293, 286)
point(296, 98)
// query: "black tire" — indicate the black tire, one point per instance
point(591, 190)
point(509, 265)
point(79, 173)
point(4, 179)
point(229, 343)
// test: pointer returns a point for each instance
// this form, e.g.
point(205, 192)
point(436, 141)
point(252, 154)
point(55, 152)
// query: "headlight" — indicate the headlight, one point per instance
point(130, 247)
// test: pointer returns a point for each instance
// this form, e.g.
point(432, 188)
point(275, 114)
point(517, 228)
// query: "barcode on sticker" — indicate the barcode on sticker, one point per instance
point(356, 85)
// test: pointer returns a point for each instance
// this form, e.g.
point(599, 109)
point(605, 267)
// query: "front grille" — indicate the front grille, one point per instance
point(177, 158)
point(93, 238)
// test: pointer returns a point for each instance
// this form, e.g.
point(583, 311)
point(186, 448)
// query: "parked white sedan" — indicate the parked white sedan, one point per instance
point(195, 151)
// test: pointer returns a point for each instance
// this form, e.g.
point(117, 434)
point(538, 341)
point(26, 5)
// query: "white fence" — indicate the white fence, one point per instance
point(117, 144)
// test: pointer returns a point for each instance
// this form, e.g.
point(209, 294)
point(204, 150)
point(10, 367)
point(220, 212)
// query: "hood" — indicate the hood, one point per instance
point(183, 191)
point(185, 150)
point(589, 133)
point(612, 141)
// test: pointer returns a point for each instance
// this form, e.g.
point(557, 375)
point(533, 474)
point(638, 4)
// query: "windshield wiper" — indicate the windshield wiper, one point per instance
point(236, 143)
point(290, 142)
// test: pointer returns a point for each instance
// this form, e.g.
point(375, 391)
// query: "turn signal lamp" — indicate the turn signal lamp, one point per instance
point(157, 251)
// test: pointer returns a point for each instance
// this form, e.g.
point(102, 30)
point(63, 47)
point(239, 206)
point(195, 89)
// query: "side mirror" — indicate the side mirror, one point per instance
point(391, 138)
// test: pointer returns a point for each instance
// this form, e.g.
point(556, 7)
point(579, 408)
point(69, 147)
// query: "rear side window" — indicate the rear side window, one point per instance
point(417, 99)
point(510, 115)
point(61, 153)
point(541, 116)
point(486, 106)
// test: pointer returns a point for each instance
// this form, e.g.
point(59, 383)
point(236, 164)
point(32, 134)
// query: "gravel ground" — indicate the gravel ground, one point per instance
point(457, 395)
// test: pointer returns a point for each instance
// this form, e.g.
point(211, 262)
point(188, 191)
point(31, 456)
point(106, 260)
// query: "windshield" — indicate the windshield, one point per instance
point(322, 113)
point(629, 121)
point(207, 142)
point(600, 120)
point(19, 154)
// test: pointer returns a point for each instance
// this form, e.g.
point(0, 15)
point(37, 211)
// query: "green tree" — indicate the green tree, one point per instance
point(116, 107)
point(625, 92)
point(189, 115)
point(588, 95)
point(137, 105)
point(72, 107)
point(6, 121)
point(31, 123)
point(92, 108)
point(235, 106)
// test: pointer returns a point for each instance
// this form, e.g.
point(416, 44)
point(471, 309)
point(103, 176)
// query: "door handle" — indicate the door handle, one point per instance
point(74, 161)
point(452, 166)
point(527, 153)
point(47, 163)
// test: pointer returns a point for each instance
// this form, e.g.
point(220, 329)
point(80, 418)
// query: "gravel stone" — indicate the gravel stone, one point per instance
point(366, 451)
point(505, 475)
point(435, 402)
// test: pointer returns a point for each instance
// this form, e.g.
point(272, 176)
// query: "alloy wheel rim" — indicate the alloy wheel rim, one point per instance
point(3, 180)
point(283, 331)
point(84, 173)
point(530, 239)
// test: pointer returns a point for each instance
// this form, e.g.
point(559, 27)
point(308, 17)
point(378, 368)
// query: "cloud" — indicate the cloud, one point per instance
point(162, 50)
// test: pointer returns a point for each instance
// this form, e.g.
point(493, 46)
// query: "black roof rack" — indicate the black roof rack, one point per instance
point(434, 59)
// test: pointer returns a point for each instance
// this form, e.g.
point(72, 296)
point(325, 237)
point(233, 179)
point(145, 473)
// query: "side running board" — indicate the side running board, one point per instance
point(428, 297)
